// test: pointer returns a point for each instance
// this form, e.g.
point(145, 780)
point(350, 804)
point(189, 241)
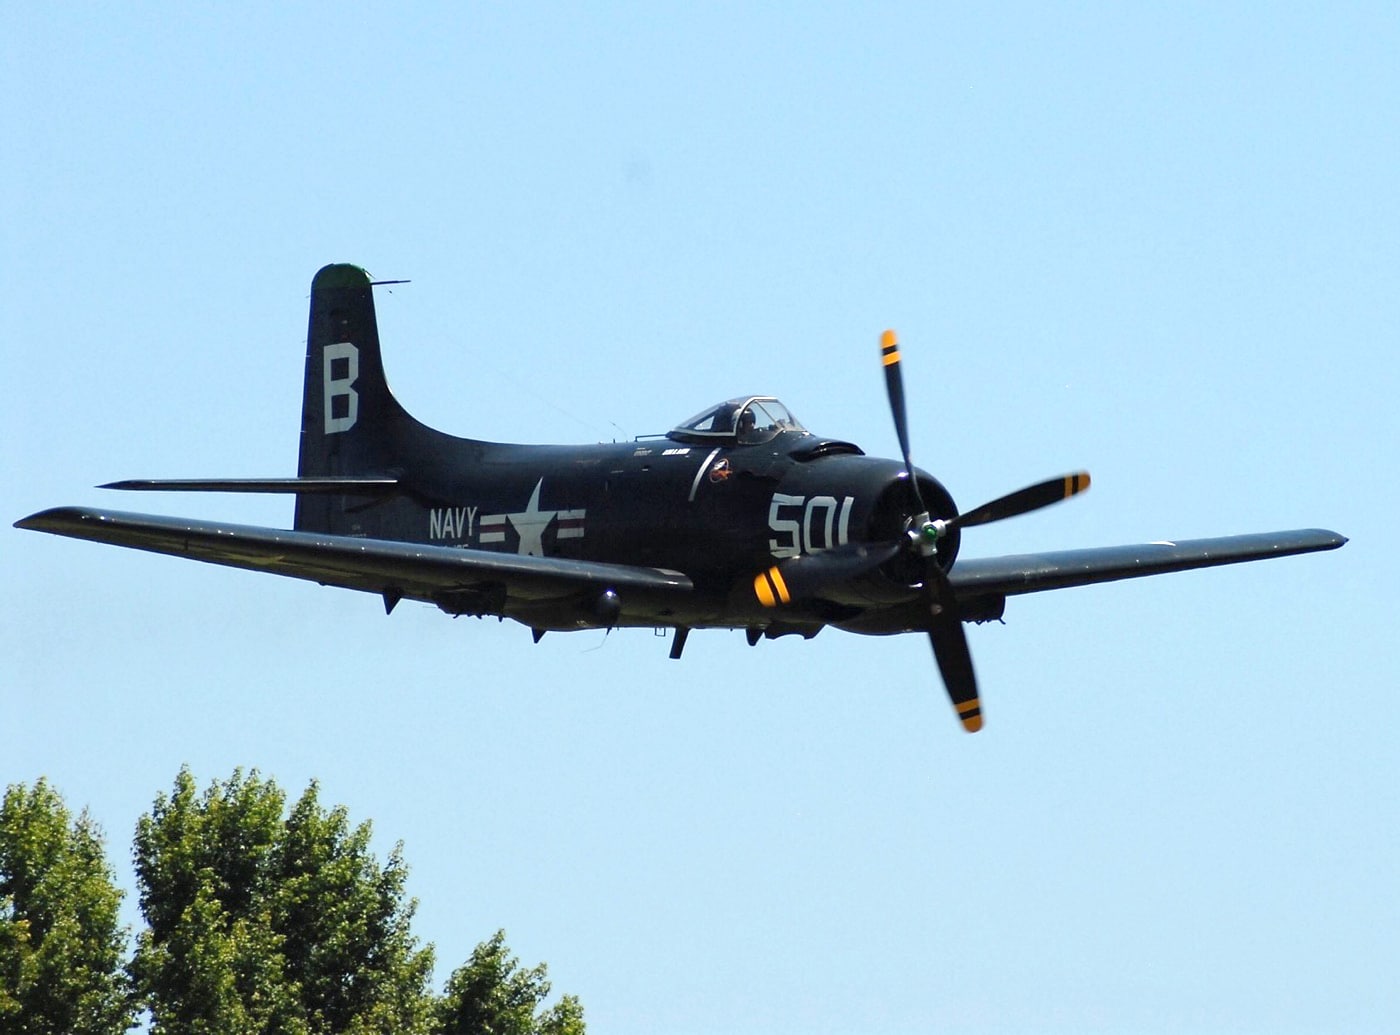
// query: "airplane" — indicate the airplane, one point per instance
point(738, 518)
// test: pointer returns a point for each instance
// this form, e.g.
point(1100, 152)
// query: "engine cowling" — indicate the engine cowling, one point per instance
point(893, 513)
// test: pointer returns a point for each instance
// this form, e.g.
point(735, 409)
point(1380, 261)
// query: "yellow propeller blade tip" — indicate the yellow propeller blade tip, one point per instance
point(970, 714)
point(889, 348)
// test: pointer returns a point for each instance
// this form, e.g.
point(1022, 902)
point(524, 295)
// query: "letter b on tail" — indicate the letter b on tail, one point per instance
point(339, 370)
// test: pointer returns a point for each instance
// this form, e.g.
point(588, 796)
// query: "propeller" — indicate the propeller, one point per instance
point(945, 629)
point(806, 575)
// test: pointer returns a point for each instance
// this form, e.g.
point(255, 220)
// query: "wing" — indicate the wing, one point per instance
point(1035, 572)
point(445, 575)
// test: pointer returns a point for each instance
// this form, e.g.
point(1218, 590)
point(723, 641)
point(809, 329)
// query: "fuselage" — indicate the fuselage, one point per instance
point(719, 511)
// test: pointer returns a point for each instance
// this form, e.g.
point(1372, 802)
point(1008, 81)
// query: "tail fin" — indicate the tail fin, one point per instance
point(348, 414)
point(361, 454)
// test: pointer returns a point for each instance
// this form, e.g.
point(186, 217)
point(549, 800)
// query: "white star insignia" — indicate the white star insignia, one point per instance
point(530, 524)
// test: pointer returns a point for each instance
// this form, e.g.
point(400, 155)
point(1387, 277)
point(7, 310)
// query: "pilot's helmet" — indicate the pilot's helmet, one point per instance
point(746, 422)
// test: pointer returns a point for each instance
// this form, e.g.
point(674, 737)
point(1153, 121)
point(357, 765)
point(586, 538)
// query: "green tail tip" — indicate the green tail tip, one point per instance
point(339, 275)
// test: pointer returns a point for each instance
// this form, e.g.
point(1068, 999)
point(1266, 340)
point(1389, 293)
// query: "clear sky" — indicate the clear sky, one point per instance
point(1161, 243)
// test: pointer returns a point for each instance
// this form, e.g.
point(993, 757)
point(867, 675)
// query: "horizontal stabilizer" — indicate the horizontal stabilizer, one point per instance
point(1034, 572)
point(328, 486)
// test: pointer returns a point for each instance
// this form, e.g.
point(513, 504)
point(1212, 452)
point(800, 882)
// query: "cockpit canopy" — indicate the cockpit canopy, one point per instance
point(745, 420)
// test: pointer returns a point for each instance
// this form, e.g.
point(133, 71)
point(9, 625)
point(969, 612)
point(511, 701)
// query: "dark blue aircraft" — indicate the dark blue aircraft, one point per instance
point(739, 518)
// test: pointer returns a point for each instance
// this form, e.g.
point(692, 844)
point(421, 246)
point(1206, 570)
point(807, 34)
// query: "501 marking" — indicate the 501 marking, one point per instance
point(804, 524)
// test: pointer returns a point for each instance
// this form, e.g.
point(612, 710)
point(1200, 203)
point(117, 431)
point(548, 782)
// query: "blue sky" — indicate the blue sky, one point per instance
point(1156, 242)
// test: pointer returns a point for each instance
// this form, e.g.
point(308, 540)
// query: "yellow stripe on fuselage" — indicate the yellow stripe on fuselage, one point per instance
point(770, 588)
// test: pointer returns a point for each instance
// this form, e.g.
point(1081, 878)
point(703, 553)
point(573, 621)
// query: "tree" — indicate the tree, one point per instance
point(345, 922)
point(258, 919)
point(491, 995)
point(259, 922)
point(61, 947)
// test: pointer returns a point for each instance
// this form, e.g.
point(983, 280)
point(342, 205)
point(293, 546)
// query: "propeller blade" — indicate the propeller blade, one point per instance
point(894, 386)
point(800, 578)
point(1023, 501)
point(945, 627)
point(950, 650)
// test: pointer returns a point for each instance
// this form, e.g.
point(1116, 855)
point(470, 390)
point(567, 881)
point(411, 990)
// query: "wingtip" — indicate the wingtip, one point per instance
point(43, 520)
point(1326, 538)
point(59, 520)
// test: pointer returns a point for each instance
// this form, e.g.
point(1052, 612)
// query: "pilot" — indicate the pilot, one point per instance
point(746, 425)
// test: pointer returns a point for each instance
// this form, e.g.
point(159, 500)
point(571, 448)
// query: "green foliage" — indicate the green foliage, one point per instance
point(346, 923)
point(563, 1018)
point(258, 919)
point(218, 844)
point(492, 995)
point(61, 948)
point(257, 922)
